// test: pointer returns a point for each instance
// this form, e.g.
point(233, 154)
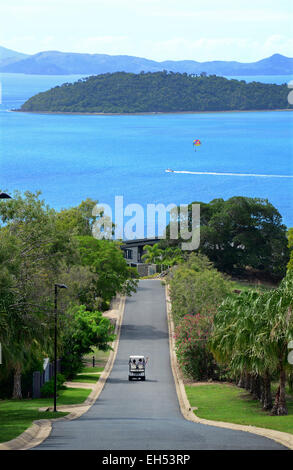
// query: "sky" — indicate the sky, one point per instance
point(202, 30)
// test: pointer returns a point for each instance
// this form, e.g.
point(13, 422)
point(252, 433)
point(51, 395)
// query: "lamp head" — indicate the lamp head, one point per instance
point(4, 196)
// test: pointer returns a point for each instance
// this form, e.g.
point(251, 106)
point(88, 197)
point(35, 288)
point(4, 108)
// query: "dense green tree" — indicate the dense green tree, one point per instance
point(81, 331)
point(242, 232)
point(30, 252)
point(112, 274)
point(78, 220)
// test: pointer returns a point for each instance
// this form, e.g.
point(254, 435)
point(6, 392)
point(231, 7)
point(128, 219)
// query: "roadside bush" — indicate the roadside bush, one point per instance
point(191, 337)
point(197, 288)
point(47, 390)
point(71, 364)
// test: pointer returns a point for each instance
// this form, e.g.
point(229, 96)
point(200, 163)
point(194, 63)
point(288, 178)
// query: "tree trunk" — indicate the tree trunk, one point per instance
point(256, 388)
point(241, 382)
point(266, 399)
point(262, 396)
point(280, 408)
point(290, 383)
point(276, 402)
point(247, 381)
point(252, 384)
point(17, 395)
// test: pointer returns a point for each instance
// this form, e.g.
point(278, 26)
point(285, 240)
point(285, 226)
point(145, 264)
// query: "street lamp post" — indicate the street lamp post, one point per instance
point(60, 286)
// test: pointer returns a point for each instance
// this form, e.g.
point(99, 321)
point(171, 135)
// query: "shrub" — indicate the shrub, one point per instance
point(191, 337)
point(71, 364)
point(47, 390)
point(196, 289)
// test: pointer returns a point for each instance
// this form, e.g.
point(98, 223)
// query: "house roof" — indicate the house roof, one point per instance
point(139, 242)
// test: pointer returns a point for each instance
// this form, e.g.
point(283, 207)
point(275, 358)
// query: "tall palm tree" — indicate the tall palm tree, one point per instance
point(276, 309)
point(251, 333)
point(172, 256)
point(234, 342)
point(27, 337)
point(153, 254)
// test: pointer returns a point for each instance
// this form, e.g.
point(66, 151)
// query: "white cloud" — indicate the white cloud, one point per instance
point(277, 40)
point(156, 29)
point(102, 44)
point(222, 15)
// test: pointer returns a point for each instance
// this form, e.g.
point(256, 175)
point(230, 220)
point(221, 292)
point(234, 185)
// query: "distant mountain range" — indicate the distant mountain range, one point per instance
point(8, 57)
point(67, 63)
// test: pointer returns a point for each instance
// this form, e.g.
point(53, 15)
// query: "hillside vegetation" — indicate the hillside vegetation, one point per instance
point(158, 92)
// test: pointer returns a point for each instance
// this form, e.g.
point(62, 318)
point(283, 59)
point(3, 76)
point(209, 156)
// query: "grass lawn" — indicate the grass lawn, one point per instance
point(228, 403)
point(17, 415)
point(86, 378)
point(101, 357)
point(245, 286)
point(92, 369)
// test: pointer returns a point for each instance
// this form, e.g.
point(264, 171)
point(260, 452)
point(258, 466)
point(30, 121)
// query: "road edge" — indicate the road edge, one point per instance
point(283, 438)
point(41, 429)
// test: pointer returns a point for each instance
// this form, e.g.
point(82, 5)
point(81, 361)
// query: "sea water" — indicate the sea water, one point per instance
point(73, 157)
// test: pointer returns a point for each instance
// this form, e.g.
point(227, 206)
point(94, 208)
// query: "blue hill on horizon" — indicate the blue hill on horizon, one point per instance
point(67, 63)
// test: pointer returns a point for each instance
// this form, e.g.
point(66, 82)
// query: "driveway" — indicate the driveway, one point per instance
point(144, 415)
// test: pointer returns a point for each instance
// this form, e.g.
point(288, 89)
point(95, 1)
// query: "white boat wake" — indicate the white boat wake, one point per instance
point(227, 174)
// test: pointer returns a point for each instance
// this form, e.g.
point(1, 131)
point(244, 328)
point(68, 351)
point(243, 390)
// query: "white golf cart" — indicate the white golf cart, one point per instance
point(137, 367)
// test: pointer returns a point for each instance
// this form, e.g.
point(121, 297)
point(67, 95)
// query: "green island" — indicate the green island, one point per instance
point(162, 92)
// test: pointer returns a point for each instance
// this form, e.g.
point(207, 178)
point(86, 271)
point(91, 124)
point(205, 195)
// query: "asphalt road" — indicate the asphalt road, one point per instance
point(144, 415)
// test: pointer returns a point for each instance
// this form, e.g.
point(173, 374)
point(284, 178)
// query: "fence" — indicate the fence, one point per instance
point(39, 378)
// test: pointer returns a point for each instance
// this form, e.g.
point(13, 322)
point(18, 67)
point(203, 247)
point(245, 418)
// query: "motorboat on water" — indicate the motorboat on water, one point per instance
point(169, 170)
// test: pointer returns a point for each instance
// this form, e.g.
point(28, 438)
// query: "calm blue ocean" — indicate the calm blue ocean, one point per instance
point(72, 157)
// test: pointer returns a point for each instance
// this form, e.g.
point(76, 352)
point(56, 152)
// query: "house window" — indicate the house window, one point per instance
point(128, 254)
